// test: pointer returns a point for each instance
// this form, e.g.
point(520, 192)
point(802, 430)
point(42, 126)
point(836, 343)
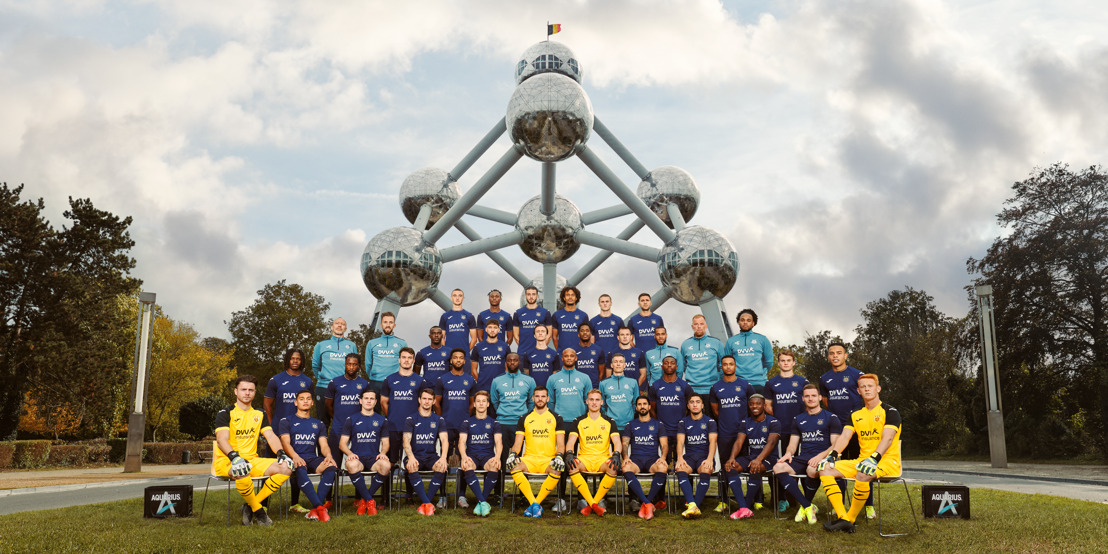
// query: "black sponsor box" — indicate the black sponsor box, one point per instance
point(163, 501)
point(946, 501)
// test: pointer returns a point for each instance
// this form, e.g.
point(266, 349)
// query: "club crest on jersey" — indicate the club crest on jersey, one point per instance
point(314, 426)
point(303, 384)
point(433, 424)
point(796, 384)
point(738, 388)
point(374, 423)
point(358, 386)
point(412, 384)
point(765, 429)
point(650, 428)
point(257, 418)
point(703, 426)
point(488, 426)
point(819, 422)
point(846, 379)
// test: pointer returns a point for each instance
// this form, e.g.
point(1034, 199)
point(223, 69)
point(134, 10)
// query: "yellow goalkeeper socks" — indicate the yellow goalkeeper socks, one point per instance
point(245, 487)
point(834, 495)
point(548, 487)
point(582, 487)
point(605, 485)
point(861, 493)
point(523, 486)
point(272, 485)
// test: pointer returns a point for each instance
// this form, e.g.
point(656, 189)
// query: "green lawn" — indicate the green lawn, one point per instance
point(1001, 521)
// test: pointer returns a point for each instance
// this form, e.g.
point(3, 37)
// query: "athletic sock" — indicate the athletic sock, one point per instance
point(548, 487)
point(524, 486)
point(834, 495)
point(305, 484)
point(792, 489)
point(606, 483)
point(245, 487)
point(869, 499)
point(417, 485)
point(635, 486)
point(436, 481)
point(374, 484)
point(471, 480)
point(861, 493)
point(754, 489)
point(811, 487)
point(703, 481)
point(656, 485)
point(686, 486)
point(736, 484)
point(358, 480)
point(491, 479)
point(272, 485)
point(582, 487)
point(326, 481)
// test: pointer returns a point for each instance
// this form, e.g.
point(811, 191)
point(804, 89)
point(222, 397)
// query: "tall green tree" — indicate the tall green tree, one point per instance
point(1049, 273)
point(284, 315)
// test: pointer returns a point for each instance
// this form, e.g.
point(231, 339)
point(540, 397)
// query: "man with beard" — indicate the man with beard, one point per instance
point(538, 448)
point(643, 441)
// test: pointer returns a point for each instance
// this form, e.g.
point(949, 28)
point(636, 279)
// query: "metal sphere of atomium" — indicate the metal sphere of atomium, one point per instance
point(667, 185)
point(549, 239)
point(400, 265)
point(559, 284)
point(431, 186)
point(548, 57)
point(549, 117)
point(698, 260)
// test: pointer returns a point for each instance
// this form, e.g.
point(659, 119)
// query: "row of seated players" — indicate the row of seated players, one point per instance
point(540, 440)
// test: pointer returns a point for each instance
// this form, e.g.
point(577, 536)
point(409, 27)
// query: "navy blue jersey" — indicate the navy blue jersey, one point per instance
point(589, 360)
point(457, 325)
point(490, 361)
point(481, 436)
point(840, 388)
point(365, 434)
point(644, 436)
point(425, 434)
point(731, 398)
point(524, 322)
point(455, 390)
point(502, 316)
point(403, 395)
point(815, 432)
point(567, 322)
point(696, 433)
point(642, 329)
point(540, 364)
point(432, 363)
point(785, 393)
point(282, 388)
point(669, 400)
point(303, 433)
point(633, 357)
point(757, 435)
point(347, 395)
point(605, 330)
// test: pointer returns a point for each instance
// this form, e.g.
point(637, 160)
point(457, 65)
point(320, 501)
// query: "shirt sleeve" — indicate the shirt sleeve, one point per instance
point(368, 359)
point(331, 389)
point(892, 417)
point(347, 428)
point(317, 357)
point(560, 425)
point(835, 425)
point(775, 426)
point(271, 388)
point(521, 426)
point(573, 428)
point(223, 419)
point(283, 427)
point(472, 323)
point(712, 426)
point(409, 425)
point(265, 421)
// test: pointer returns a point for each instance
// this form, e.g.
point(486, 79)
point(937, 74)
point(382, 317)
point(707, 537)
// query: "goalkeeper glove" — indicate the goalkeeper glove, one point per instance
point(283, 458)
point(511, 461)
point(239, 466)
point(829, 461)
point(557, 464)
point(570, 458)
point(869, 465)
point(616, 460)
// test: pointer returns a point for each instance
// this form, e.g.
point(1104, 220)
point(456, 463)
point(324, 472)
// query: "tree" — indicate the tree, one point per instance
point(813, 355)
point(362, 335)
point(283, 316)
point(1049, 273)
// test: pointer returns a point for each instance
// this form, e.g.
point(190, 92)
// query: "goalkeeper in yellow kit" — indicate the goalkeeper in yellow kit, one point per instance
point(540, 442)
point(600, 451)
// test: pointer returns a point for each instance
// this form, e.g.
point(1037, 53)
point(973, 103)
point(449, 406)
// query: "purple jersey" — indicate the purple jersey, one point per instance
point(645, 444)
point(815, 432)
point(425, 434)
point(757, 435)
point(480, 436)
point(669, 400)
point(840, 388)
point(589, 360)
point(502, 316)
point(785, 394)
point(346, 395)
point(432, 363)
point(403, 396)
point(731, 398)
point(606, 329)
point(642, 329)
point(282, 388)
point(455, 391)
point(490, 361)
point(365, 432)
point(457, 325)
point(696, 433)
point(540, 364)
point(303, 433)
point(567, 322)
point(524, 322)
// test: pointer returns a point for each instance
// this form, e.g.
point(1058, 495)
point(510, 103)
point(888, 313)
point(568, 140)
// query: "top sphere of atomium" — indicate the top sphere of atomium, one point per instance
point(559, 284)
point(547, 57)
point(549, 117)
point(400, 265)
point(431, 186)
point(549, 238)
point(698, 261)
point(670, 185)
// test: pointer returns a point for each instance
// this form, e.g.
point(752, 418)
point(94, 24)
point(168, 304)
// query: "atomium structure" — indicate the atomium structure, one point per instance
point(550, 119)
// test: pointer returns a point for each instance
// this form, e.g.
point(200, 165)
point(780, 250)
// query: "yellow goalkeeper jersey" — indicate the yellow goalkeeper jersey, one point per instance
point(868, 425)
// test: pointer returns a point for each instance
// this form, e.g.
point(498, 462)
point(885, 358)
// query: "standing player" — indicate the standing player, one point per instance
point(760, 433)
point(488, 357)
point(365, 442)
point(619, 393)
point(568, 320)
point(590, 357)
point(634, 361)
point(480, 445)
point(600, 451)
point(237, 431)
point(538, 448)
point(877, 426)
point(752, 351)
point(281, 392)
point(652, 359)
point(645, 322)
point(783, 400)
point(702, 355)
point(300, 435)
point(568, 388)
point(454, 402)
point(541, 361)
point(432, 361)
point(460, 325)
point(400, 399)
point(424, 433)
point(668, 398)
point(527, 318)
point(382, 354)
point(510, 397)
point(328, 362)
point(494, 312)
point(643, 440)
point(343, 397)
point(728, 400)
point(812, 432)
point(606, 325)
point(696, 453)
point(839, 388)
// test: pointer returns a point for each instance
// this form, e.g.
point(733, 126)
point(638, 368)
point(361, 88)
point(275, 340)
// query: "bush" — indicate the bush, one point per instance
point(7, 450)
point(197, 418)
point(99, 454)
point(67, 455)
point(170, 452)
point(117, 450)
point(30, 453)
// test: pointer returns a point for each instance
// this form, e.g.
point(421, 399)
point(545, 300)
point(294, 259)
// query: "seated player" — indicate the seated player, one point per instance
point(878, 428)
point(237, 430)
point(600, 451)
point(696, 453)
point(644, 445)
point(813, 432)
point(424, 433)
point(758, 433)
point(365, 441)
point(480, 446)
point(300, 435)
point(540, 438)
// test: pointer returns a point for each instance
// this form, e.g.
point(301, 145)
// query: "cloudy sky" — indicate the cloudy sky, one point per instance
point(846, 148)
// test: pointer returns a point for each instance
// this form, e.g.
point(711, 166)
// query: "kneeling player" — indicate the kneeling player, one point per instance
point(365, 442)
point(600, 447)
point(696, 452)
point(812, 433)
point(299, 435)
point(643, 440)
point(540, 437)
point(237, 430)
point(424, 431)
point(480, 446)
point(759, 433)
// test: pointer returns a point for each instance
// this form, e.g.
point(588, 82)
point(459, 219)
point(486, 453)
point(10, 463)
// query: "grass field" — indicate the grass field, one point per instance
point(1001, 521)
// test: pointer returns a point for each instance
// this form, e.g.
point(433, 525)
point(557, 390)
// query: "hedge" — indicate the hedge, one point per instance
point(7, 451)
point(30, 454)
point(67, 455)
point(170, 452)
point(43, 453)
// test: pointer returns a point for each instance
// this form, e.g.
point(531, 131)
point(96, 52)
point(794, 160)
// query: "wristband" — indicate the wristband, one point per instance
point(233, 454)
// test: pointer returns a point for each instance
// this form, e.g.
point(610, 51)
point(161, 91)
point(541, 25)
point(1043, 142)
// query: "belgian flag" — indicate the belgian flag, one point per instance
point(555, 28)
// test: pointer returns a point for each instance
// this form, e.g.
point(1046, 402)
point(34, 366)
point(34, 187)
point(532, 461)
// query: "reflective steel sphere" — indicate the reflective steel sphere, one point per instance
point(549, 239)
point(698, 261)
point(545, 57)
point(549, 116)
point(398, 263)
point(666, 185)
point(560, 283)
point(428, 186)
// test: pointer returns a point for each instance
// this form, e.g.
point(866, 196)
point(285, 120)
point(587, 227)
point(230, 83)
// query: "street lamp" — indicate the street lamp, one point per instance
point(136, 422)
point(997, 449)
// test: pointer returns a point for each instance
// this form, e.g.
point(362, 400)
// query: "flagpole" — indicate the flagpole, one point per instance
point(548, 31)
